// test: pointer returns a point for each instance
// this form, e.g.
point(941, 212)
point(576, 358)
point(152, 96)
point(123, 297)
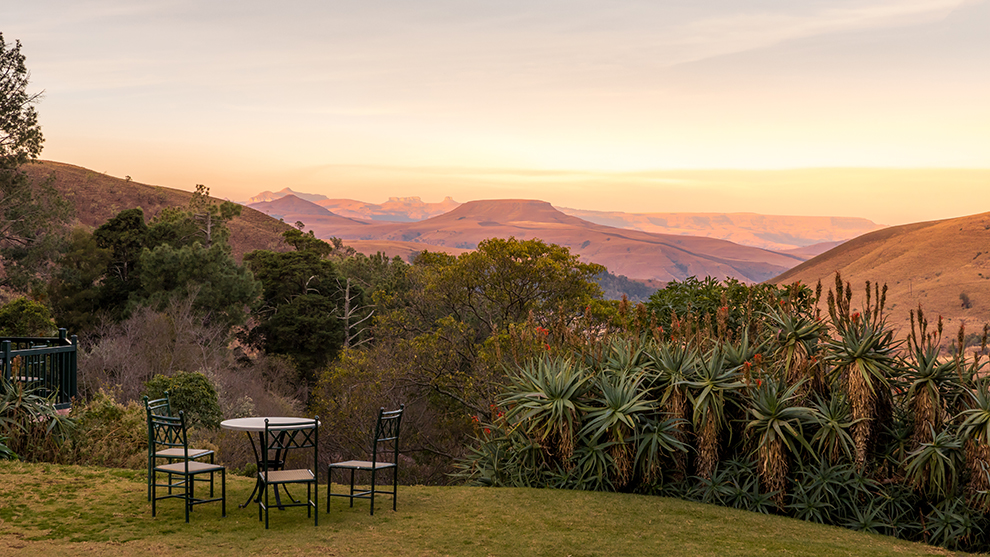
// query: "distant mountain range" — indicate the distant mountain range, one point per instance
point(633, 253)
point(773, 232)
point(944, 265)
point(803, 237)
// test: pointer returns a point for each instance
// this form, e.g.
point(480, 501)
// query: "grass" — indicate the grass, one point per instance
point(73, 510)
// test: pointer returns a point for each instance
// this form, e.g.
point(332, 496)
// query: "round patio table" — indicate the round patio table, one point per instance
point(257, 425)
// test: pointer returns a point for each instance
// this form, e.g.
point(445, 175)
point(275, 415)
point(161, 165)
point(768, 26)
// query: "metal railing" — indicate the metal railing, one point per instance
point(45, 363)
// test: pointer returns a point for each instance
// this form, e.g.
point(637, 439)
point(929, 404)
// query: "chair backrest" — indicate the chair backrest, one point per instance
point(387, 434)
point(168, 432)
point(158, 406)
point(283, 437)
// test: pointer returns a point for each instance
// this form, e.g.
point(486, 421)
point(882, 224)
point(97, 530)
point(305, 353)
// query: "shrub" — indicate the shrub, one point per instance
point(29, 424)
point(108, 433)
point(191, 393)
point(25, 318)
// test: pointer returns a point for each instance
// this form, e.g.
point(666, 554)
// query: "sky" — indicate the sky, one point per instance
point(867, 108)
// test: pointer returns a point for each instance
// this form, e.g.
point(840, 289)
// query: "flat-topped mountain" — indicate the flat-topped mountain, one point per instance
point(633, 253)
point(944, 265)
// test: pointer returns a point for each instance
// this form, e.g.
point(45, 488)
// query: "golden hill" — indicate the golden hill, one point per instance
point(98, 197)
point(939, 264)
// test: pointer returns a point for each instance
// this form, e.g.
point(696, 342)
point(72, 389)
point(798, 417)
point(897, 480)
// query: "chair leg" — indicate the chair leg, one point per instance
point(154, 496)
point(373, 471)
point(223, 491)
point(151, 474)
point(189, 494)
point(352, 488)
point(329, 485)
point(395, 485)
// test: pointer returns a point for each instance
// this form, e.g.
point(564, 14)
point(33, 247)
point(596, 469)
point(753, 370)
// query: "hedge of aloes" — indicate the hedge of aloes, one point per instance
point(823, 417)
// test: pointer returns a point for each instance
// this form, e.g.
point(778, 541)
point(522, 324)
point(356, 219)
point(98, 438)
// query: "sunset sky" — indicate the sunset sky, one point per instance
point(870, 108)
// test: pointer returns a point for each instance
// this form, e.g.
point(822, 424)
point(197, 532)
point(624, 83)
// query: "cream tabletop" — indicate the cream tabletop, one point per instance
point(258, 424)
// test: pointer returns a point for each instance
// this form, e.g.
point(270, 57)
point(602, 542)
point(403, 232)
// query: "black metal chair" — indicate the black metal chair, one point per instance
point(171, 433)
point(387, 437)
point(163, 407)
point(277, 441)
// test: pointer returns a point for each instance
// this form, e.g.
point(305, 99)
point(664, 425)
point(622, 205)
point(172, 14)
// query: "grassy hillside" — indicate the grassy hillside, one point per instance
point(72, 510)
point(939, 264)
point(97, 197)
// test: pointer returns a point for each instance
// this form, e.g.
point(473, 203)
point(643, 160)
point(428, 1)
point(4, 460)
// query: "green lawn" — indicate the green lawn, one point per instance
point(72, 510)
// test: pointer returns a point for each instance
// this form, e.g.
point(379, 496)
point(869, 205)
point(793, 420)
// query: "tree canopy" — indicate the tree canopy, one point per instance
point(33, 216)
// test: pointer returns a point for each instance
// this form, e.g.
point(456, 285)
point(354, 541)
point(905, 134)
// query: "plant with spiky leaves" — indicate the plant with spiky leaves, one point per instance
point(617, 408)
point(797, 339)
point(934, 468)
point(672, 365)
point(655, 439)
point(835, 421)
point(975, 431)
point(546, 403)
point(863, 355)
point(778, 423)
point(928, 381)
point(709, 390)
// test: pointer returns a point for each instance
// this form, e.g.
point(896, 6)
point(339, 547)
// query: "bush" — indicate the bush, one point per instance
point(191, 393)
point(30, 427)
point(108, 433)
point(24, 318)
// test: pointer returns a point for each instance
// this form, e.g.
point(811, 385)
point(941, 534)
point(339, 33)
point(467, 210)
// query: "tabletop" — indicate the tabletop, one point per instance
point(258, 423)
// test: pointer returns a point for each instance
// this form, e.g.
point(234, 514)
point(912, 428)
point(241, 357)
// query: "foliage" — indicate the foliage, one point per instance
point(128, 354)
point(824, 418)
point(220, 289)
point(26, 318)
point(298, 310)
point(33, 216)
point(29, 423)
point(74, 288)
point(189, 392)
point(704, 298)
point(108, 433)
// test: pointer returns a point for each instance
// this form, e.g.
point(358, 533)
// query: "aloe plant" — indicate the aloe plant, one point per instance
point(928, 381)
point(709, 391)
point(672, 365)
point(797, 338)
point(546, 401)
point(832, 440)
point(863, 359)
point(617, 408)
point(656, 439)
point(778, 423)
point(934, 468)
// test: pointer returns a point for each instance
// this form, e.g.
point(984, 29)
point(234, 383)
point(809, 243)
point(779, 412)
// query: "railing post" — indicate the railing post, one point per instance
point(73, 372)
point(5, 348)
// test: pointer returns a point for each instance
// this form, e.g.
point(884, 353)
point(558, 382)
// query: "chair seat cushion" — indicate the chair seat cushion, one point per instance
point(195, 467)
point(287, 476)
point(362, 465)
point(180, 453)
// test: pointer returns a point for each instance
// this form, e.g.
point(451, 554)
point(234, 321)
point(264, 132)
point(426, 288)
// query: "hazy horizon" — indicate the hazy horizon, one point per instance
point(861, 108)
